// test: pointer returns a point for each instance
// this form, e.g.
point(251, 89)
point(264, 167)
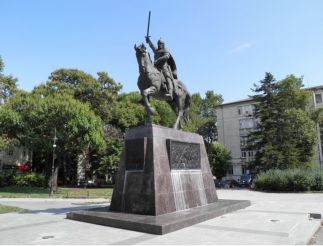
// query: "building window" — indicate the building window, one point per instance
point(318, 98)
point(247, 123)
point(321, 137)
point(247, 155)
point(243, 141)
point(253, 108)
point(246, 110)
point(244, 154)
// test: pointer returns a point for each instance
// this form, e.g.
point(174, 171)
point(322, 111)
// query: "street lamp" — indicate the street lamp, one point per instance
point(53, 165)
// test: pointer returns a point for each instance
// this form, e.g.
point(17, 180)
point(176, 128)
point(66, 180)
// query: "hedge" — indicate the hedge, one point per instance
point(289, 180)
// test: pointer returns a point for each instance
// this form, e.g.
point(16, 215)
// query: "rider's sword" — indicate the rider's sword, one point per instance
point(148, 25)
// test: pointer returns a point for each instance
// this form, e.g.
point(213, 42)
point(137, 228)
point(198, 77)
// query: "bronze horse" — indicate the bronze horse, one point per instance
point(150, 83)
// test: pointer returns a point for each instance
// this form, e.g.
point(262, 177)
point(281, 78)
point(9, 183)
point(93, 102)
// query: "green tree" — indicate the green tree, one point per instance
point(285, 134)
point(128, 112)
point(35, 118)
point(165, 116)
point(98, 93)
point(203, 116)
point(8, 88)
point(8, 84)
point(220, 160)
point(107, 160)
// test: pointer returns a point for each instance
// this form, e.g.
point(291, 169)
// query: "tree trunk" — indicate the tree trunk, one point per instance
point(56, 169)
point(82, 166)
point(52, 181)
point(48, 171)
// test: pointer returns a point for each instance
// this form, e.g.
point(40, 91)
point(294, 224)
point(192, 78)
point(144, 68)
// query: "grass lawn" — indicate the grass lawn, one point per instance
point(36, 192)
point(9, 209)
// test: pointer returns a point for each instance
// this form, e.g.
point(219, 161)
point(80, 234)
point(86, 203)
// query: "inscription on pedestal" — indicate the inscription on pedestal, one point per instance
point(183, 155)
point(135, 153)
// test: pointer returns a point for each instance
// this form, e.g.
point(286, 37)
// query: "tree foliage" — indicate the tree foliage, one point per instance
point(8, 84)
point(98, 93)
point(220, 159)
point(203, 116)
point(32, 118)
point(285, 134)
point(8, 88)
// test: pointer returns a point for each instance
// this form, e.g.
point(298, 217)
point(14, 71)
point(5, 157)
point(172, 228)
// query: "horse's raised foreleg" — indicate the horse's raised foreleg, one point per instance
point(149, 109)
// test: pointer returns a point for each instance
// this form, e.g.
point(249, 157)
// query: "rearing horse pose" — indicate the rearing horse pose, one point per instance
point(150, 83)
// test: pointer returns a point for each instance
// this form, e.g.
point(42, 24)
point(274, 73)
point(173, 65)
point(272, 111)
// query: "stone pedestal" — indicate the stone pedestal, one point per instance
point(164, 183)
point(162, 171)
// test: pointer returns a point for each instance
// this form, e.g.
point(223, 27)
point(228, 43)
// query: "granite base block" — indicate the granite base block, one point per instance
point(160, 224)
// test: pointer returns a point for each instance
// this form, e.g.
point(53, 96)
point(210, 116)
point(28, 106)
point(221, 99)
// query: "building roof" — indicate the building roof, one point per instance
point(251, 99)
point(237, 102)
point(314, 88)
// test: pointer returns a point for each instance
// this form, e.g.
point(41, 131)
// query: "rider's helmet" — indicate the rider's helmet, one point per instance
point(161, 43)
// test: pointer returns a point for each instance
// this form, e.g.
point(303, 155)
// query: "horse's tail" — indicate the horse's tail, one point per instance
point(187, 105)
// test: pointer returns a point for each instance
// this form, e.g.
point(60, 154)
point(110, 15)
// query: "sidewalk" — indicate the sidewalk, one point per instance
point(271, 219)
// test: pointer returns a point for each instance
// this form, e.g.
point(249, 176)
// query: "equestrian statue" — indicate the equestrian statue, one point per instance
point(158, 79)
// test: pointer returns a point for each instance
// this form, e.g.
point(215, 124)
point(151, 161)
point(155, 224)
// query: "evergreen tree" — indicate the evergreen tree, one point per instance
point(285, 135)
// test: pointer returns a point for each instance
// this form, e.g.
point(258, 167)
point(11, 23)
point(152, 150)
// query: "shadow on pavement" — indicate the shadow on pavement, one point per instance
point(60, 210)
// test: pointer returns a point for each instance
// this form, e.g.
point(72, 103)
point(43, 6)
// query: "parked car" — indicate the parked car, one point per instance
point(231, 183)
point(96, 183)
point(228, 183)
point(245, 180)
point(23, 168)
point(219, 183)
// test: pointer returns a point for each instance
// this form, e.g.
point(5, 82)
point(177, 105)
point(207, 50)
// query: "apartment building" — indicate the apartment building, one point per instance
point(236, 119)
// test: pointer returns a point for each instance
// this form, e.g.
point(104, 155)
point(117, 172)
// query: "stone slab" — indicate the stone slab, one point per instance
point(161, 224)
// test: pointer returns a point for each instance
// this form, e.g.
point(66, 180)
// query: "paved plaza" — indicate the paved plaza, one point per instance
point(272, 218)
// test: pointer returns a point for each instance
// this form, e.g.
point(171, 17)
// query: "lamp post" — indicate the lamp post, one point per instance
point(53, 165)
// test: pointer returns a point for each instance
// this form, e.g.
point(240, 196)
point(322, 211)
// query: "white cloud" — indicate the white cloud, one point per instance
point(243, 46)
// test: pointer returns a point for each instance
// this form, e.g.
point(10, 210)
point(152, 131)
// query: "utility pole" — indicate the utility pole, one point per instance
point(53, 165)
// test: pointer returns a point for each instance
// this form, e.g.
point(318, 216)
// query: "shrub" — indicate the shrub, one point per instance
point(299, 181)
point(317, 181)
point(6, 178)
point(289, 180)
point(1, 180)
point(30, 179)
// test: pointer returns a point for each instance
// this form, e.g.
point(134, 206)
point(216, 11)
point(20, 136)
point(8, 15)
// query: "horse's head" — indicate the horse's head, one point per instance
point(141, 50)
point(143, 58)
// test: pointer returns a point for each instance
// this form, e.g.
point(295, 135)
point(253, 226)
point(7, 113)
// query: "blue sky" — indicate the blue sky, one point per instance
point(225, 46)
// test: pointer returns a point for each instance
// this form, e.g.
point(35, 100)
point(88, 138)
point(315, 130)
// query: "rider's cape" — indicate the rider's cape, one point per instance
point(171, 63)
